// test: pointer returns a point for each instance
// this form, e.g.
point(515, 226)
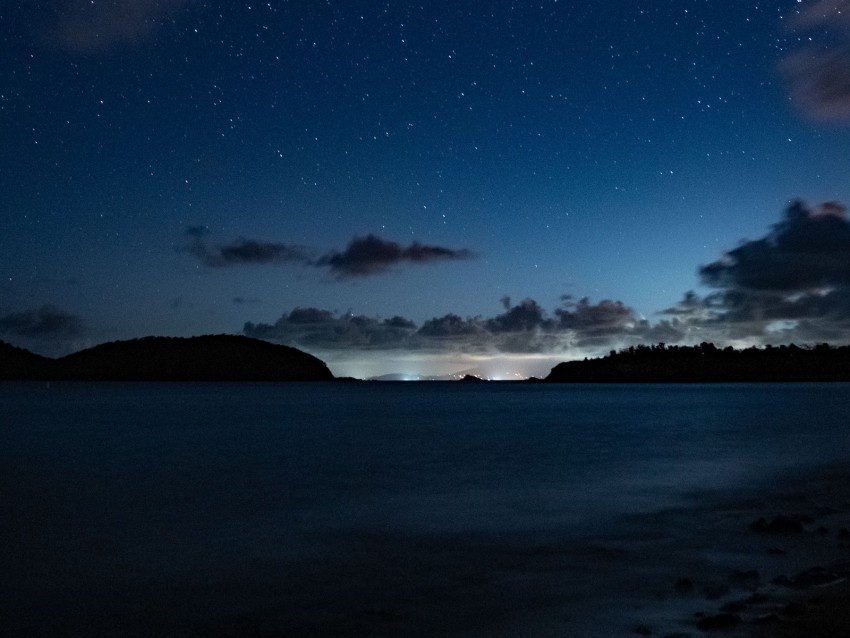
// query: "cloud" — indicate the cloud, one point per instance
point(93, 27)
point(819, 75)
point(371, 255)
point(364, 256)
point(606, 317)
point(451, 326)
point(527, 315)
point(793, 283)
point(240, 252)
point(808, 249)
point(524, 328)
point(323, 330)
point(250, 251)
point(47, 322)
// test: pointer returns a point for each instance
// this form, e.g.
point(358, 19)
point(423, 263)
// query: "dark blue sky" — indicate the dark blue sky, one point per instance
point(423, 187)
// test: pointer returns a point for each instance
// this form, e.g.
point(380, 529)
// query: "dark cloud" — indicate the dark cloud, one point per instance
point(451, 326)
point(321, 329)
point(808, 249)
point(750, 313)
point(606, 317)
point(372, 255)
point(309, 316)
point(527, 315)
point(240, 252)
point(819, 75)
point(400, 322)
point(250, 251)
point(362, 257)
point(792, 284)
point(93, 27)
point(523, 328)
point(47, 322)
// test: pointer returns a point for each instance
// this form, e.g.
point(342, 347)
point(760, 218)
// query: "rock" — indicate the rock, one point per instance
point(780, 525)
point(734, 607)
point(757, 599)
point(794, 609)
point(642, 630)
point(766, 619)
point(719, 622)
point(814, 577)
point(713, 591)
point(748, 579)
point(684, 585)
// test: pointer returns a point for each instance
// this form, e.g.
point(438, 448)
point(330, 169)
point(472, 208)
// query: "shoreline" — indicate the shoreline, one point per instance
point(823, 614)
point(777, 565)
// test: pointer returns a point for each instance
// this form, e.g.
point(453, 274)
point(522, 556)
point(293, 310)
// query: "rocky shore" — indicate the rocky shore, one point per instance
point(786, 575)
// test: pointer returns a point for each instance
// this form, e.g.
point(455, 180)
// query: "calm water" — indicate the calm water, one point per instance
point(377, 509)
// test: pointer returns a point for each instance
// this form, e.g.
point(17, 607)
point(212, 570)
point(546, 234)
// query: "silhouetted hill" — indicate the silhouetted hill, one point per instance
point(206, 358)
point(17, 363)
point(706, 363)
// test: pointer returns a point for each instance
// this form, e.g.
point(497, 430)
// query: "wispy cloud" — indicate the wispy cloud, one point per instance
point(240, 252)
point(85, 26)
point(363, 257)
point(819, 74)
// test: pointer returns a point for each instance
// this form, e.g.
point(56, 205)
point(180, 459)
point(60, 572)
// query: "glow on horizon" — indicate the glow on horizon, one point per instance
point(495, 367)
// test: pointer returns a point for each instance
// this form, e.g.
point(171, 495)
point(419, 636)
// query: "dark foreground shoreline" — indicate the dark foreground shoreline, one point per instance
point(707, 363)
point(237, 358)
point(785, 574)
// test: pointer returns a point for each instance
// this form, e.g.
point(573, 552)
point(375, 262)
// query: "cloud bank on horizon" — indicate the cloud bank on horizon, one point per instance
point(792, 284)
point(524, 328)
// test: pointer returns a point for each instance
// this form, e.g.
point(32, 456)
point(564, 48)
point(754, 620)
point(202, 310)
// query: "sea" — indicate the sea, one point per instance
point(395, 509)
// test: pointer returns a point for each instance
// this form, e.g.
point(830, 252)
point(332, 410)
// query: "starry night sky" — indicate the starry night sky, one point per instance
point(425, 187)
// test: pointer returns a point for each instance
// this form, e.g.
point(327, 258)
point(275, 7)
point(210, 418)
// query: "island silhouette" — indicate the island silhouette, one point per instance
point(239, 358)
point(204, 358)
point(706, 363)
